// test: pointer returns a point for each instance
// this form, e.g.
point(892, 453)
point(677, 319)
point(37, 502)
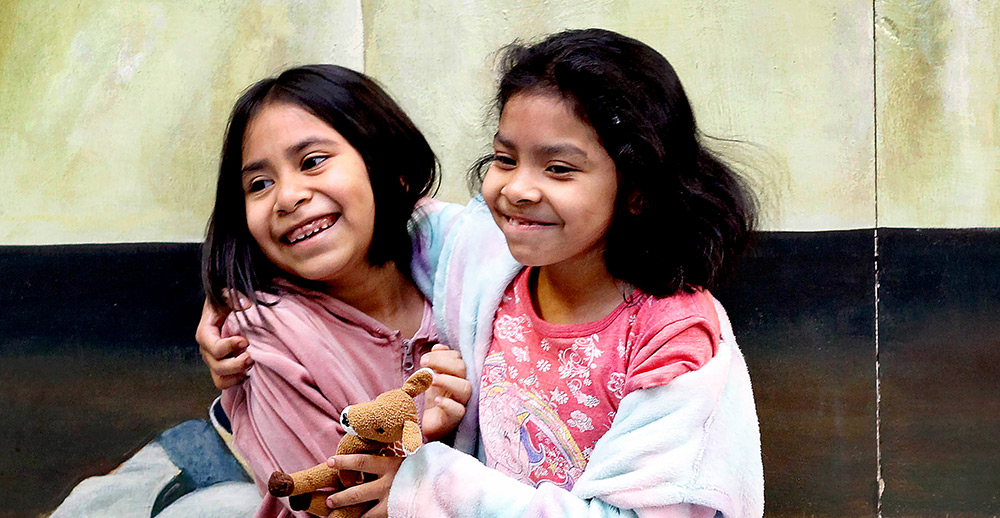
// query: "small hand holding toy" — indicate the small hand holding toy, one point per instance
point(373, 427)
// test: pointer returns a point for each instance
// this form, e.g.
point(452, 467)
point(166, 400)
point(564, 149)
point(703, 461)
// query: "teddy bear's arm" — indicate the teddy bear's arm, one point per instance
point(305, 481)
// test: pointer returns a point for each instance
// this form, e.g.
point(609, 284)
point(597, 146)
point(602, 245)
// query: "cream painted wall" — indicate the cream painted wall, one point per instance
point(939, 113)
point(793, 78)
point(113, 112)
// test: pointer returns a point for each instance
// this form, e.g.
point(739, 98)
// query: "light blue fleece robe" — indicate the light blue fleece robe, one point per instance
point(692, 441)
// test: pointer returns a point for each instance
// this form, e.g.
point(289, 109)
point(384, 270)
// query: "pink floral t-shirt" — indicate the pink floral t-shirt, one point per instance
point(549, 392)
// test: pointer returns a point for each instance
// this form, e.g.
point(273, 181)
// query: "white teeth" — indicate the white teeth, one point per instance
point(514, 222)
point(311, 229)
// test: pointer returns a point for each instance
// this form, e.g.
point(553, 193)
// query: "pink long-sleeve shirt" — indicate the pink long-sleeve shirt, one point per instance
point(313, 356)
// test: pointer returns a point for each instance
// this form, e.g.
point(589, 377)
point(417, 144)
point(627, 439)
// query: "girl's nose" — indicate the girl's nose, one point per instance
point(291, 195)
point(521, 188)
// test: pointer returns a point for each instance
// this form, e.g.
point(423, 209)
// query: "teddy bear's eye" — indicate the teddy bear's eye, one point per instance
point(380, 430)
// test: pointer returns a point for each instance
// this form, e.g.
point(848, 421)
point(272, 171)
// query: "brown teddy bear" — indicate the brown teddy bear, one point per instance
point(374, 427)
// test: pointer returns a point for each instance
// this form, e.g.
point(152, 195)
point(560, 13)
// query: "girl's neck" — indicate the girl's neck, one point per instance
point(576, 291)
point(386, 295)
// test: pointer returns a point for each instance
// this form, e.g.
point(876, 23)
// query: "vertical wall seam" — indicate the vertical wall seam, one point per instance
point(875, 252)
point(364, 38)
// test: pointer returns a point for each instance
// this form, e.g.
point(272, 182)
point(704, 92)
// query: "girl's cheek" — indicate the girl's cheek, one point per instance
point(490, 189)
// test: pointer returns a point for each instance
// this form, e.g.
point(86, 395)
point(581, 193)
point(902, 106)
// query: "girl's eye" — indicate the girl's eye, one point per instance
point(503, 160)
point(311, 162)
point(259, 184)
point(560, 169)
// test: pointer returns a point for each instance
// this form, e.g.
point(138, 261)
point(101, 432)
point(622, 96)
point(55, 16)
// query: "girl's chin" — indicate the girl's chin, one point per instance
point(531, 258)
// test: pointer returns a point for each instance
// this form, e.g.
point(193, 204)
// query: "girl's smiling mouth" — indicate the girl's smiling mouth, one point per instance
point(309, 229)
point(515, 221)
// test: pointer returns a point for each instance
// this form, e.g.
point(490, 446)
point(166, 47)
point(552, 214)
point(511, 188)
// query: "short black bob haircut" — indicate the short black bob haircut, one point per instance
point(401, 166)
point(682, 217)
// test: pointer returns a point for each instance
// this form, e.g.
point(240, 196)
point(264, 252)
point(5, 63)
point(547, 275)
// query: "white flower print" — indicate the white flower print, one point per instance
point(543, 365)
point(520, 353)
point(580, 421)
point(558, 397)
point(584, 399)
point(530, 381)
point(616, 384)
point(510, 328)
point(512, 372)
point(545, 344)
point(571, 365)
point(588, 346)
point(586, 452)
point(621, 348)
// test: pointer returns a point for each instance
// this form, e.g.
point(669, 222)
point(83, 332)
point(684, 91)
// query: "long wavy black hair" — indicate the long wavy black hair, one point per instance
point(682, 217)
point(401, 166)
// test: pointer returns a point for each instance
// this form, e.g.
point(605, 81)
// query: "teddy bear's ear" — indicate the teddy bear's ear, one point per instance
point(412, 438)
point(418, 382)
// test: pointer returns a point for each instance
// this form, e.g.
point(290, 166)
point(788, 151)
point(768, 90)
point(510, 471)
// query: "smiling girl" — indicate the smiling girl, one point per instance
point(320, 174)
point(607, 378)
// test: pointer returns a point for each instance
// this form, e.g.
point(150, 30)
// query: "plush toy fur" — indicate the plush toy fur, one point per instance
point(373, 427)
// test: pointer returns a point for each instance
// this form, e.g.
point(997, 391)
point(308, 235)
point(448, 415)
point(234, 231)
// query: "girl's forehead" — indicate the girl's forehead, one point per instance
point(282, 115)
point(544, 118)
point(540, 97)
point(280, 125)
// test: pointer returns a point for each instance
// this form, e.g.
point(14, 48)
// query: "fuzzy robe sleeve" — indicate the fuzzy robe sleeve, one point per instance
point(462, 264)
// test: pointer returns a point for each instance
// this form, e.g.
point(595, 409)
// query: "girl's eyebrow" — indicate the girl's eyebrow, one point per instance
point(563, 149)
point(254, 166)
point(547, 150)
point(292, 152)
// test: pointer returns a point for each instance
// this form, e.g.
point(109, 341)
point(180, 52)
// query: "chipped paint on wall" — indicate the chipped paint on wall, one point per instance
point(439, 64)
point(938, 80)
point(114, 111)
point(762, 74)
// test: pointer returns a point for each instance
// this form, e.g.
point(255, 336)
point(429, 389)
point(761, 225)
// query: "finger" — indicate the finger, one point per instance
point(225, 347)
point(453, 410)
point(230, 366)
point(374, 464)
point(454, 387)
point(441, 347)
point(240, 299)
point(358, 494)
point(446, 355)
point(208, 325)
point(213, 315)
point(444, 362)
point(224, 382)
